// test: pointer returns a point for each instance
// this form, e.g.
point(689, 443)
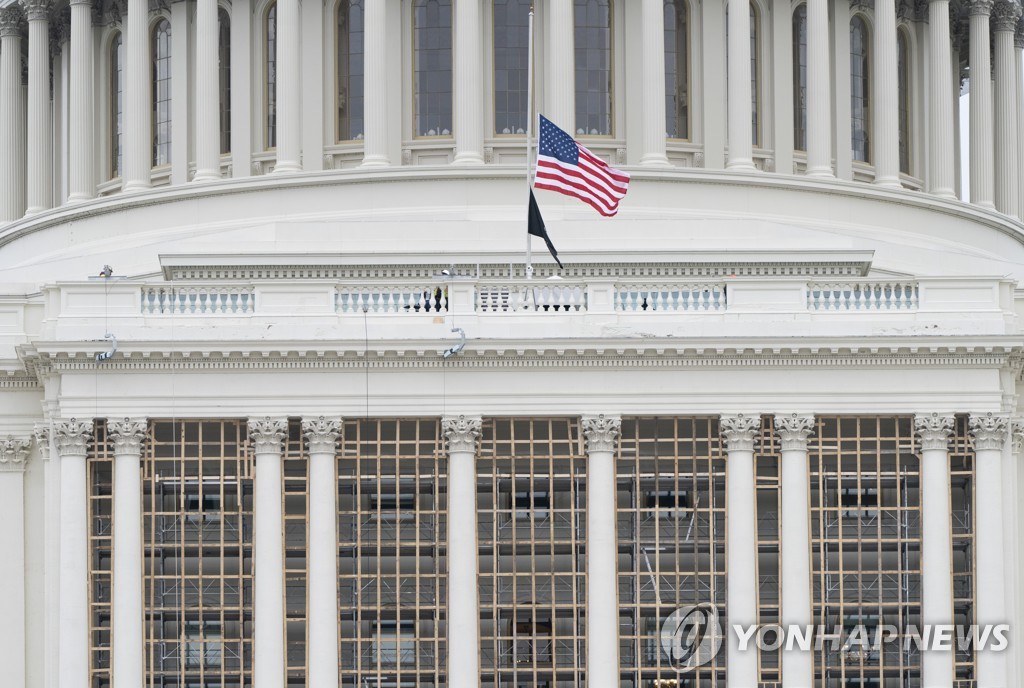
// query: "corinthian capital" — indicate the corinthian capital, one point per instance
point(1017, 434)
point(41, 432)
point(322, 434)
point(36, 9)
point(601, 432)
point(989, 431)
point(127, 434)
point(934, 431)
point(268, 434)
point(73, 436)
point(10, 21)
point(980, 7)
point(1005, 15)
point(13, 454)
point(739, 431)
point(1018, 38)
point(794, 430)
point(462, 432)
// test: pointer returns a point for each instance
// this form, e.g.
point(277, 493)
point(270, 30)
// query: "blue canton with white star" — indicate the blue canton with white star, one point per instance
point(555, 143)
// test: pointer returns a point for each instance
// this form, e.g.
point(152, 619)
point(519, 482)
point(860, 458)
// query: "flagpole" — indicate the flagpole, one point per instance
point(529, 136)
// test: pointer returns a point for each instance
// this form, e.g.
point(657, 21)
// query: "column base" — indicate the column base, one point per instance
point(821, 173)
point(375, 161)
point(473, 158)
point(987, 205)
point(287, 167)
point(35, 211)
point(135, 185)
point(78, 198)
point(746, 165)
point(655, 160)
point(206, 176)
point(888, 182)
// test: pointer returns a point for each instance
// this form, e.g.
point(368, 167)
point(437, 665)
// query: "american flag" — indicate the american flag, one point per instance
point(565, 166)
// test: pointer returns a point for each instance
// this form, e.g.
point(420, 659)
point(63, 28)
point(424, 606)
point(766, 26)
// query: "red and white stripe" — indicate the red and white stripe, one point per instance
point(592, 181)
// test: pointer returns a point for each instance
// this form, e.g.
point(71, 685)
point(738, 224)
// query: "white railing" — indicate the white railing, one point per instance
point(670, 297)
point(198, 300)
point(535, 298)
point(862, 296)
point(396, 299)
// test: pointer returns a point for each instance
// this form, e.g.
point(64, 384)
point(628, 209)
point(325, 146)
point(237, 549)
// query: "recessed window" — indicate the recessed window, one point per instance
point(511, 42)
point(593, 34)
point(677, 70)
point(116, 104)
point(860, 89)
point(350, 70)
point(224, 78)
point(162, 93)
point(270, 76)
point(903, 69)
point(800, 78)
point(532, 504)
point(432, 41)
point(394, 643)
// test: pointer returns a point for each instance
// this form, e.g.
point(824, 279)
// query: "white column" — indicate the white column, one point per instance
point(181, 91)
point(886, 149)
point(207, 92)
point(13, 456)
point(65, 115)
point(241, 88)
point(981, 105)
point(40, 157)
point(127, 436)
point(289, 134)
point(462, 434)
point(740, 114)
point(1007, 191)
point(375, 97)
point(602, 435)
point(314, 134)
point(989, 433)
point(12, 202)
point(51, 554)
point(57, 118)
point(940, 104)
point(82, 149)
point(819, 90)
point(936, 541)
point(795, 553)
point(740, 545)
point(1018, 45)
point(469, 84)
point(73, 437)
point(322, 617)
point(268, 435)
point(560, 70)
point(652, 18)
point(137, 156)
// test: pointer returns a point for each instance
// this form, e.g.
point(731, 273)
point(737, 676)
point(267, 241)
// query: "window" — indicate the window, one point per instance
point(800, 78)
point(394, 643)
point(224, 55)
point(116, 104)
point(755, 77)
point(903, 62)
point(270, 77)
point(860, 89)
point(858, 501)
point(388, 506)
point(162, 93)
point(350, 70)
point(511, 42)
point(202, 644)
point(668, 503)
point(432, 45)
point(677, 70)
point(593, 34)
point(532, 503)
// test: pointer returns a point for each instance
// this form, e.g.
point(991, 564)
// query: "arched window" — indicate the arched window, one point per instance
point(350, 70)
point(432, 41)
point(800, 78)
point(270, 76)
point(903, 61)
point(224, 56)
point(755, 75)
point(593, 34)
point(677, 69)
point(162, 93)
point(116, 104)
point(511, 42)
point(860, 89)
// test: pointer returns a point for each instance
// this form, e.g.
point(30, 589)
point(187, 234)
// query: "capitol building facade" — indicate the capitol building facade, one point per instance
point(281, 405)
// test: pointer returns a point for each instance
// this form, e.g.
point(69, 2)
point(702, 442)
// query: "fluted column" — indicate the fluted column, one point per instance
point(989, 433)
point(602, 435)
point(740, 544)
point(82, 103)
point(653, 57)
point(13, 457)
point(375, 96)
point(46, 445)
point(1018, 45)
point(137, 155)
point(267, 436)
point(819, 91)
point(207, 93)
point(127, 436)
point(322, 436)
point(40, 151)
point(469, 84)
point(940, 104)
point(795, 553)
point(73, 437)
point(740, 113)
point(12, 201)
point(462, 434)
point(886, 97)
point(1004, 18)
point(289, 136)
point(934, 432)
point(560, 67)
point(982, 168)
